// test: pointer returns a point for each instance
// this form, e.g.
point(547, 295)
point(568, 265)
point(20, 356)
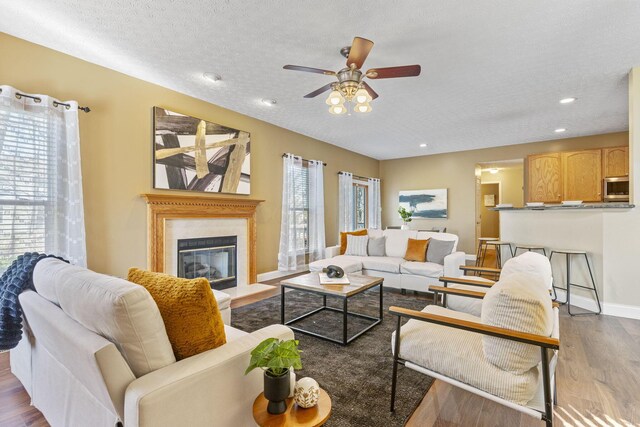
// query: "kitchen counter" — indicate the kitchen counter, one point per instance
point(563, 207)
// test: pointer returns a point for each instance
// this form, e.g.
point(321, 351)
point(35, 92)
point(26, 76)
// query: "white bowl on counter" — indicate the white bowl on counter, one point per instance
point(504, 205)
point(571, 202)
point(535, 204)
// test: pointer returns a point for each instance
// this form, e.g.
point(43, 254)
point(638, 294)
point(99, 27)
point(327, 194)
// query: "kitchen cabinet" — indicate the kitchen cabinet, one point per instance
point(582, 175)
point(544, 182)
point(615, 162)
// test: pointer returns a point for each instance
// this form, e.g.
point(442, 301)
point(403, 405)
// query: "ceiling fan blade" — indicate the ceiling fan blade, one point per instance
point(372, 92)
point(319, 91)
point(360, 49)
point(309, 70)
point(391, 72)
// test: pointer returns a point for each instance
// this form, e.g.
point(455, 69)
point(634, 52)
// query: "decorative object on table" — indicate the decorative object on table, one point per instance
point(428, 204)
point(489, 200)
point(276, 357)
point(198, 155)
point(294, 414)
point(406, 217)
point(333, 271)
point(292, 381)
point(307, 392)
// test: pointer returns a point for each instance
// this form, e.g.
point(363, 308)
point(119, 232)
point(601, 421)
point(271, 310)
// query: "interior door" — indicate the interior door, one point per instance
point(544, 178)
point(582, 173)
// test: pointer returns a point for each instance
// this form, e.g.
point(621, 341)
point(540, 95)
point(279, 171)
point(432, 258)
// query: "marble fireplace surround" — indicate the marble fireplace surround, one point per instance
point(166, 211)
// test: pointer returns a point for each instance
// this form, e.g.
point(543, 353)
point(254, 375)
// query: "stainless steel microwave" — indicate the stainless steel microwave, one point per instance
point(616, 189)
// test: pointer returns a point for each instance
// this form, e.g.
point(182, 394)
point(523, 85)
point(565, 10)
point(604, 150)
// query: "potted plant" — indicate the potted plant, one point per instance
point(275, 357)
point(406, 217)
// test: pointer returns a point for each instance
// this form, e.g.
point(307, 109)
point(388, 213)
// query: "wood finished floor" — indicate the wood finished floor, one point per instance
point(598, 383)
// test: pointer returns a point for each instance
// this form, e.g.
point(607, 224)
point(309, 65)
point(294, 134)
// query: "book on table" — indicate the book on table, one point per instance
point(326, 280)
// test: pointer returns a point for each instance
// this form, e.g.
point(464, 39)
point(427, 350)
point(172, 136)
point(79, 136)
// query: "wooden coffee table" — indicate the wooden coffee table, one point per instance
point(294, 415)
point(311, 283)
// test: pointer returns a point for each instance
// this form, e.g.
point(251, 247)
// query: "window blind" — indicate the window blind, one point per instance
point(25, 169)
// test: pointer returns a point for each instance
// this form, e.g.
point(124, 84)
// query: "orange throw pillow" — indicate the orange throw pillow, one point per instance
point(343, 238)
point(188, 308)
point(417, 250)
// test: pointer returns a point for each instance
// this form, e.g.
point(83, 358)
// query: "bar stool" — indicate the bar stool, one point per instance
point(568, 254)
point(498, 247)
point(530, 248)
point(482, 244)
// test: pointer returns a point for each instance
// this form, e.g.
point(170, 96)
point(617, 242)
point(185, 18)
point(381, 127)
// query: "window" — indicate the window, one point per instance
point(360, 205)
point(25, 169)
point(300, 207)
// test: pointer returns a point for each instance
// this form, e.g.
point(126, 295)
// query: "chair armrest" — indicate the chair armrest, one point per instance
point(452, 263)
point(332, 251)
point(459, 292)
point(461, 281)
point(473, 268)
point(509, 334)
point(203, 390)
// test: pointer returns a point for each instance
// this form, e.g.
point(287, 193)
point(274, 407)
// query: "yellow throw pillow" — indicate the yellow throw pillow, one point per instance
point(343, 238)
point(188, 308)
point(417, 250)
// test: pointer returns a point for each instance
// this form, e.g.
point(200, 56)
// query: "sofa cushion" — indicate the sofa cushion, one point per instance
point(118, 310)
point(382, 263)
point(350, 264)
point(438, 249)
point(396, 243)
point(458, 354)
point(189, 310)
point(440, 236)
point(375, 246)
point(357, 245)
point(529, 262)
point(343, 238)
point(522, 303)
point(465, 304)
point(375, 232)
point(426, 269)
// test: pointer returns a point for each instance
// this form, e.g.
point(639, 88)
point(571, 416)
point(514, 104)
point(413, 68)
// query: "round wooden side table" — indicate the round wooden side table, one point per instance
point(294, 416)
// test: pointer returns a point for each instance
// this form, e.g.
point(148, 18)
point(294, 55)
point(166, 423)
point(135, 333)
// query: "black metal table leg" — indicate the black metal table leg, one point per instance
point(282, 292)
point(344, 321)
point(381, 304)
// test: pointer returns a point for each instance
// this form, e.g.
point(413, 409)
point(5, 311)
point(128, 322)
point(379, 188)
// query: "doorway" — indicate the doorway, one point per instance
point(489, 219)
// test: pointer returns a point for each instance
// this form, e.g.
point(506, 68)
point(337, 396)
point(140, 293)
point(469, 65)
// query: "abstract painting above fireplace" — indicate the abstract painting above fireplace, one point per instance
point(214, 258)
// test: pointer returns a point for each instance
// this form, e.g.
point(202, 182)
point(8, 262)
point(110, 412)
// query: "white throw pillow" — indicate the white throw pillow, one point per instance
point(356, 245)
point(522, 303)
point(397, 240)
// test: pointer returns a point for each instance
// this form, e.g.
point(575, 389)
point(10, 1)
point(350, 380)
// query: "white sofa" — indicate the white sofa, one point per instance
point(96, 353)
point(396, 271)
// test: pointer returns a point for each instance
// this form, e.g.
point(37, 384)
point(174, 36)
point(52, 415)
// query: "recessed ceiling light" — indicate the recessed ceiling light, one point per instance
point(559, 130)
point(567, 100)
point(213, 77)
point(423, 145)
point(269, 102)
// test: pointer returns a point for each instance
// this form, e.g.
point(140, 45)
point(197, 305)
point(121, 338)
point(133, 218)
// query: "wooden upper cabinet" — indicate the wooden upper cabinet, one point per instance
point(582, 173)
point(544, 178)
point(615, 161)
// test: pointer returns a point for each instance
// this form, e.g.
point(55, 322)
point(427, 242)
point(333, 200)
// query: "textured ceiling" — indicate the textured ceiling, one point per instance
point(492, 71)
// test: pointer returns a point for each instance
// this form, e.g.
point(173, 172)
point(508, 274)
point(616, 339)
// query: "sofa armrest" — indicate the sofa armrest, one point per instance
point(332, 251)
point(452, 263)
point(203, 390)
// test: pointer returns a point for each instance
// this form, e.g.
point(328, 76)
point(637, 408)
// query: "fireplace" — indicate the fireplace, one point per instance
point(214, 258)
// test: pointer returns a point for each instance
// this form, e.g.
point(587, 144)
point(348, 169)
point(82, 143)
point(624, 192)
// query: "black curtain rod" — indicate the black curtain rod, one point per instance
point(55, 103)
point(364, 178)
point(304, 160)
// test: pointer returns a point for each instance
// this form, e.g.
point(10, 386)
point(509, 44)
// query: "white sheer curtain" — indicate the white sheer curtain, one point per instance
point(345, 202)
point(317, 241)
point(375, 206)
point(41, 206)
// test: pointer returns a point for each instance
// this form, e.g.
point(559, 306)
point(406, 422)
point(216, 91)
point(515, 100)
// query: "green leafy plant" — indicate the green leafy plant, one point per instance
point(275, 356)
point(405, 214)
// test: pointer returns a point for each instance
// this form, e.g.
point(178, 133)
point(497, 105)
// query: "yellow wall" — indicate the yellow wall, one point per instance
point(116, 151)
point(511, 181)
point(456, 171)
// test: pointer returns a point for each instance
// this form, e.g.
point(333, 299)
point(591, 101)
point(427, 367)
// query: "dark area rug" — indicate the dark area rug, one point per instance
point(356, 376)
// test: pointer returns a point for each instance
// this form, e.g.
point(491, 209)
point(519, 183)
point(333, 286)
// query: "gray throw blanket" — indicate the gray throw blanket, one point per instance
point(14, 280)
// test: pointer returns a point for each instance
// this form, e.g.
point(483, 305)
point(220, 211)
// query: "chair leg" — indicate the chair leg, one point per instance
point(394, 378)
point(478, 252)
point(546, 383)
point(555, 390)
point(593, 282)
point(553, 285)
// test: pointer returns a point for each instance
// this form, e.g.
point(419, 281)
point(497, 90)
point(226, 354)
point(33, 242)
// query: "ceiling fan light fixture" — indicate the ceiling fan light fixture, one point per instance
point(363, 107)
point(335, 98)
point(362, 96)
point(338, 109)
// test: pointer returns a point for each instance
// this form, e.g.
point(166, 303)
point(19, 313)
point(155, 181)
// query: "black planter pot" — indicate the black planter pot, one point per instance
point(276, 391)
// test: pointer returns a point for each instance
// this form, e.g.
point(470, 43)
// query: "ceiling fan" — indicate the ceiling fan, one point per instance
point(350, 85)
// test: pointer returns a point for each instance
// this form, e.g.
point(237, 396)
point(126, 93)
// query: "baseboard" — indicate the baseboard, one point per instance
point(276, 274)
point(608, 308)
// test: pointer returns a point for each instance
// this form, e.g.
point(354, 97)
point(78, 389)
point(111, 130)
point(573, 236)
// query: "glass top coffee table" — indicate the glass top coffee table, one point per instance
point(310, 283)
